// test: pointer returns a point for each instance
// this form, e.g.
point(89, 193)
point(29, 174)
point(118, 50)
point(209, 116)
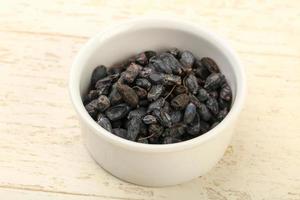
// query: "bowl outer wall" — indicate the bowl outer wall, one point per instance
point(156, 165)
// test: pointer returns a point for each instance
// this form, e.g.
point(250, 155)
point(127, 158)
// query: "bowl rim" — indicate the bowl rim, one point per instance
point(155, 22)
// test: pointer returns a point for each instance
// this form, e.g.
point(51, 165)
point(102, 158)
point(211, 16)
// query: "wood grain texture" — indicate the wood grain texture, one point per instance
point(41, 150)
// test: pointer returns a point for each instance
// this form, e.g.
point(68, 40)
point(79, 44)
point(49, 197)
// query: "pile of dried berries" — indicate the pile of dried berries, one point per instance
point(159, 98)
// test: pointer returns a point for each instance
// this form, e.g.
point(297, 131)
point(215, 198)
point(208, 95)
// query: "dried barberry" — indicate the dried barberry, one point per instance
point(180, 101)
point(117, 112)
point(212, 105)
point(187, 60)
point(131, 73)
point(104, 123)
point(192, 84)
point(171, 62)
point(133, 129)
point(214, 81)
point(210, 64)
point(190, 113)
point(98, 73)
point(155, 92)
point(225, 92)
point(159, 65)
point(128, 94)
point(174, 96)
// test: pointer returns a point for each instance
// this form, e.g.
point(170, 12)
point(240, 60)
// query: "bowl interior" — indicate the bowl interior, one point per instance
point(116, 45)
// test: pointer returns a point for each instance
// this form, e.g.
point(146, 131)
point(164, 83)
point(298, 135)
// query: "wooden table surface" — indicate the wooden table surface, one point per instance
point(41, 150)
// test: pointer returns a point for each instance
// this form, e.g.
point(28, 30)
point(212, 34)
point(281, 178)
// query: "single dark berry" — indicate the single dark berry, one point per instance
point(155, 92)
point(225, 92)
point(180, 101)
point(187, 60)
point(104, 123)
point(214, 81)
point(171, 62)
point(133, 129)
point(98, 73)
point(131, 72)
point(212, 105)
point(117, 112)
point(159, 65)
point(128, 94)
point(190, 113)
point(210, 64)
point(192, 84)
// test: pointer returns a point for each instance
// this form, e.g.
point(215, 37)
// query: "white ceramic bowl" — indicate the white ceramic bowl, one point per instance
point(145, 164)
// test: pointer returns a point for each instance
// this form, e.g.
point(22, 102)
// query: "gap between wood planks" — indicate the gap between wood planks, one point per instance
point(24, 188)
point(87, 37)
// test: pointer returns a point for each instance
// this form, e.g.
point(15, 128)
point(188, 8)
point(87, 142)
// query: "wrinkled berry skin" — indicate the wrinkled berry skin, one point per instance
point(98, 73)
point(128, 94)
point(133, 129)
point(117, 112)
point(180, 101)
point(187, 60)
point(155, 92)
point(190, 113)
point(162, 97)
point(210, 64)
point(192, 84)
point(104, 123)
